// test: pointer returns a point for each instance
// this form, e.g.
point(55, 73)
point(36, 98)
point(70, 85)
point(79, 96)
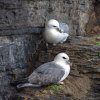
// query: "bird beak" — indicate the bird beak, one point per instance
point(68, 62)
point(58, 29)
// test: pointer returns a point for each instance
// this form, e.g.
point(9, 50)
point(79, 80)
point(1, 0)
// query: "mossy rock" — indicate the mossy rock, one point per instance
point(55, 89)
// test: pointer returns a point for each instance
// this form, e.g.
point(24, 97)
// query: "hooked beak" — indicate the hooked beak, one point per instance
point(58, 29)
point(68, 62)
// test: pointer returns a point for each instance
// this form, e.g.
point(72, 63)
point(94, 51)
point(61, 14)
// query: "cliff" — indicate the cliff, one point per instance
point(22, 48)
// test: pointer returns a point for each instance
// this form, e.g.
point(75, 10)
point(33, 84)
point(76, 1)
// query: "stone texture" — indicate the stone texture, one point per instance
point(16, 57)
point(93, 25)
point(15, 51)
point(18, 17)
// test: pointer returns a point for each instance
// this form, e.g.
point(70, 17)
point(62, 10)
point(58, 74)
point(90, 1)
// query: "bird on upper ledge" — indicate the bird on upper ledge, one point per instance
point(55, 32)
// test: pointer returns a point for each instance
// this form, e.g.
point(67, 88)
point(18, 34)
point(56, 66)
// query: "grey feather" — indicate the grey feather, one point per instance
point(27, 85)
point(64, 27)
point(47, 73)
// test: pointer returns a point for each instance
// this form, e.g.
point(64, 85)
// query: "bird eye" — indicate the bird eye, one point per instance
point(64, 57)
point(54, 26)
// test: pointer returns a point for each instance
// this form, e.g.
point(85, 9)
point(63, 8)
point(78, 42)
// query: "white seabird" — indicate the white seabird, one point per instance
point(53, 72)
point(56, 32)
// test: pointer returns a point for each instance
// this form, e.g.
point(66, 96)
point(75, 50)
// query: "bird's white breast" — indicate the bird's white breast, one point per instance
point(53, 36)
point(66, 68)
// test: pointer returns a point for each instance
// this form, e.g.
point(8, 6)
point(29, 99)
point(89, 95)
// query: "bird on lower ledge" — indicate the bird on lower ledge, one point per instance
point(53, 72)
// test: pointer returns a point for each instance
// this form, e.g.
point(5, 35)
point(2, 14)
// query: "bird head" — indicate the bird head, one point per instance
point(62, 57)
point(53, 23)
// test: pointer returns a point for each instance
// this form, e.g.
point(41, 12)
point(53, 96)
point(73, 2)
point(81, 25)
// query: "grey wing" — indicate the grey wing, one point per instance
point(46, 74)
point(64, 27)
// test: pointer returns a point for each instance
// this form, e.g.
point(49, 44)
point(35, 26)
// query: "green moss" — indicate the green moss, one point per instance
point(55, 89)
point(98, 43)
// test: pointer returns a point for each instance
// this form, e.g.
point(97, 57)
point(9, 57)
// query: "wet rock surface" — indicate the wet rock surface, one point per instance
point(22, 49)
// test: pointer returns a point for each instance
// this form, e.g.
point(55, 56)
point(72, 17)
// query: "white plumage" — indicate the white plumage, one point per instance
point(53, 72)
point(56, 32)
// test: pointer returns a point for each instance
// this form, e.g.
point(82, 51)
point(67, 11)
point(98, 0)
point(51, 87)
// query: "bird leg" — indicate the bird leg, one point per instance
point(54, 44)
point(46, 48)
point(61, 42)
point(47, 45)
point(61, 83)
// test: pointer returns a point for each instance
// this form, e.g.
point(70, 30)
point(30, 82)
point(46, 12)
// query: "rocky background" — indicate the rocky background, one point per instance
point(22, 48)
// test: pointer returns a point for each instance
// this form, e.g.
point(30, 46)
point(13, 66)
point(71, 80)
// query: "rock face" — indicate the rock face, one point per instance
point(16, 56)
point(19, 17)
point(21, 47)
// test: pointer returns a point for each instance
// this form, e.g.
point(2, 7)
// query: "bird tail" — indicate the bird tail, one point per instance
point(65, 37)
point(27, 85)
point(19, 81)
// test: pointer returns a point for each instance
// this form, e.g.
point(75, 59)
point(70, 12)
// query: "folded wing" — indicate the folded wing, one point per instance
point(64, 27)
point(46, 74)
